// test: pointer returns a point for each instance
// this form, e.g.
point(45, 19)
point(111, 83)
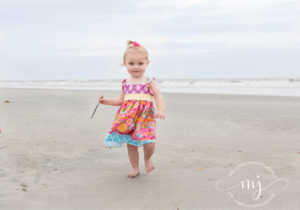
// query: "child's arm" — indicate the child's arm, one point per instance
point(112, 101)
point(159, 100)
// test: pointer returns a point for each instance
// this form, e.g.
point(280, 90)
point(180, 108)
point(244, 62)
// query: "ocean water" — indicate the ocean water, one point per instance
point(257, 86)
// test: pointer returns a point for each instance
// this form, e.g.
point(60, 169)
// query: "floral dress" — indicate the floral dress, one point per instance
point(134, 123)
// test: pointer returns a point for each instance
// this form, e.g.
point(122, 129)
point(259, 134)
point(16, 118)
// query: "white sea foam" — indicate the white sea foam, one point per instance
point(261, 86)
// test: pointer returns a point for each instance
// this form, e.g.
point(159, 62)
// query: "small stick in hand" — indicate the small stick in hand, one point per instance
point(95, 109)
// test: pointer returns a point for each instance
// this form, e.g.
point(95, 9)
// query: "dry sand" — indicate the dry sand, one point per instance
point(51, 154)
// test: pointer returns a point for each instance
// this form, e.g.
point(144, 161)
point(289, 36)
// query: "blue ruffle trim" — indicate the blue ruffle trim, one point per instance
point(117, 140)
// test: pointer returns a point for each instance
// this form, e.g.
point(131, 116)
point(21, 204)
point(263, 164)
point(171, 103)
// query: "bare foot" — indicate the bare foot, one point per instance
point(133, 173)
point(149, 166)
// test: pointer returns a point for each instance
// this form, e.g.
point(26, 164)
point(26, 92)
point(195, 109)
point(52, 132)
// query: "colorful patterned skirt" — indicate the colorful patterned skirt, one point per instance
point(134, 124)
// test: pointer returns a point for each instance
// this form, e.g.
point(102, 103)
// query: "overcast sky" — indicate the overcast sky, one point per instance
point(85, 39)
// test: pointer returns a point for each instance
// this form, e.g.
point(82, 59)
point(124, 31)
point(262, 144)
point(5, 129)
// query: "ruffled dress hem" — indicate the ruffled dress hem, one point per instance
point(117, 140)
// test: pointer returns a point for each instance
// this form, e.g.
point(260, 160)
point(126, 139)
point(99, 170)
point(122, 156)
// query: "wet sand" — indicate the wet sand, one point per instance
point(51, 154)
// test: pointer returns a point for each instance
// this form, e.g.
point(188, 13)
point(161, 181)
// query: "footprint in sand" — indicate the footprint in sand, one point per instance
point(24, 187)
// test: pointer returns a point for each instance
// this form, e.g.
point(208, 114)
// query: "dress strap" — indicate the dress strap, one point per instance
point(123, 84)
point(149, 86)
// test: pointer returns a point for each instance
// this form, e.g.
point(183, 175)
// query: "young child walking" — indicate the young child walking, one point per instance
point(135, 122)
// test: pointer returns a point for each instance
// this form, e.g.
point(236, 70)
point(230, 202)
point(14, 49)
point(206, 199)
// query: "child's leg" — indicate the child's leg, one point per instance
point(148, 151)
point(133, 154)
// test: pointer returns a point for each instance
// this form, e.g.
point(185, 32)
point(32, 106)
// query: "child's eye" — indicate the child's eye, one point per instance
point(141, 63)
point(131, 64)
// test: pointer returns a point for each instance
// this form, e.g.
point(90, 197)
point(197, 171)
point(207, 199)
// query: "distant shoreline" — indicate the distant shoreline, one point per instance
point(233, 86)
point(257, 92)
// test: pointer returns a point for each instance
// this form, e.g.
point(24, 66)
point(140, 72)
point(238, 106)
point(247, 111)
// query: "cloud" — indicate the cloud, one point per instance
point(173, 3)
point(3, 35)
point(233, 4)
point(77, 29)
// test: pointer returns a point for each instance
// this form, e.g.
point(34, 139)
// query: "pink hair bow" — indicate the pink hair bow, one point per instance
point(136, 44)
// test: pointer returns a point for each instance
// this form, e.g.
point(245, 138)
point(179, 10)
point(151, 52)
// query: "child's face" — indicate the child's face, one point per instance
point(136, 64)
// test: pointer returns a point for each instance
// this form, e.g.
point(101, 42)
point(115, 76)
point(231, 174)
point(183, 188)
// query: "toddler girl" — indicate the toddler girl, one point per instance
point(135, 122)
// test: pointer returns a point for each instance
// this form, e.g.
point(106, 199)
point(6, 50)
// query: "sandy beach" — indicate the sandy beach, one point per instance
point(51, 153)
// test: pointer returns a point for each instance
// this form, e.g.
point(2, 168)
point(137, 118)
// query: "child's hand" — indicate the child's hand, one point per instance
point(160, 115)
point(101, 100)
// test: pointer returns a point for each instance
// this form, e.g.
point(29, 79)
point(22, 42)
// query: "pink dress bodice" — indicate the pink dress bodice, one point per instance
point(137, 88)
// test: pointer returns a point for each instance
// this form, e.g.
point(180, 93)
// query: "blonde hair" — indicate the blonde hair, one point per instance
point(133, 46)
